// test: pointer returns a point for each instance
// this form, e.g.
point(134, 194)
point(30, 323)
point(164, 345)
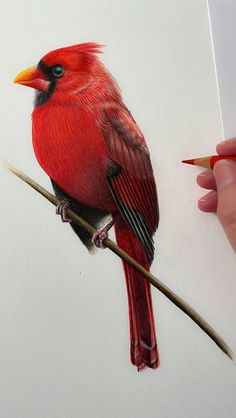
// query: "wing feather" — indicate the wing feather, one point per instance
point(130, 174)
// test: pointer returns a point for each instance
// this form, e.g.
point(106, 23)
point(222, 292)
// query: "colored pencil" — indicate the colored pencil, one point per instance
point(209, 162)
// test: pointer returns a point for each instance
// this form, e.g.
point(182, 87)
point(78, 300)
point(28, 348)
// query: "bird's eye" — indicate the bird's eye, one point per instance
point(58, 71)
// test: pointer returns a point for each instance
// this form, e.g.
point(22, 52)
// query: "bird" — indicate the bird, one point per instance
point(88, 143)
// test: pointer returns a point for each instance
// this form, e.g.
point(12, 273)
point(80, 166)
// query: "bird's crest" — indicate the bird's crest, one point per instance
point(86, 48)
point(71, 54)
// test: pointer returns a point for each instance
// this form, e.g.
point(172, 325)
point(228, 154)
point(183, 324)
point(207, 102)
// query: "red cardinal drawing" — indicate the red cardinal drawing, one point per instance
point(90, 146)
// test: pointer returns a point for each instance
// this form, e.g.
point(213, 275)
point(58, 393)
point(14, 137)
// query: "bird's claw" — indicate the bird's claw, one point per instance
point(62, 209)
point(99, 237)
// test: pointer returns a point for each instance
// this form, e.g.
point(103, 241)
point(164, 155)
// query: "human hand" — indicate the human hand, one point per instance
point(222, 183)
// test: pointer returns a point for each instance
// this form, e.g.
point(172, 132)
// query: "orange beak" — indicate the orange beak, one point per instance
point(33, 77)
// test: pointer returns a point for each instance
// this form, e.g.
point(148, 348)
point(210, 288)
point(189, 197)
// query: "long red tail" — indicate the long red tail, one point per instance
point(143, 348)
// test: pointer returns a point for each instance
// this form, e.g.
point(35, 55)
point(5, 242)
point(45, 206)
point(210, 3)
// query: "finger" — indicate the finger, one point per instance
point(227, 147)
point(225, 175)
point(208, 203)
point(206, 180)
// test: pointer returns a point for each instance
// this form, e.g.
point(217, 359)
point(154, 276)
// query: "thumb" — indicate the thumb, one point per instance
point(225, 177)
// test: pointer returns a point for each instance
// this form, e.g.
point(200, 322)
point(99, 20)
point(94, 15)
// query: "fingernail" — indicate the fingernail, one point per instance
point(206, 173)
point(226, 141)
point(203, 174)
point(225, 173)
point(222, 142)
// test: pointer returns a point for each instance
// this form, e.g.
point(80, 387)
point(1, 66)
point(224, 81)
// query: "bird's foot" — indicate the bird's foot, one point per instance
point(100, 236)
point(62, 209)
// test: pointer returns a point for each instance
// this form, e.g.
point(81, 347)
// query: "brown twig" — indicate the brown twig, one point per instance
point(179, 302)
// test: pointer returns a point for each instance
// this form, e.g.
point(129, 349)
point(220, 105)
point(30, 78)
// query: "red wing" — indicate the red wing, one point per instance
point(130, 174)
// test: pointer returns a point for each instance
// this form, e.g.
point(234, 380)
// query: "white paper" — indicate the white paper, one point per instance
point(223, 26)
point(64, 337)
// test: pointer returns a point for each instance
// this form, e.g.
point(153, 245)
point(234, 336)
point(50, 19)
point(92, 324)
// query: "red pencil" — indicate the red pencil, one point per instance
point(209, 162)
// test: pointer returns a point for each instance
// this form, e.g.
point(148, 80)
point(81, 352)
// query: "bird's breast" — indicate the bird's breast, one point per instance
point(70, 148)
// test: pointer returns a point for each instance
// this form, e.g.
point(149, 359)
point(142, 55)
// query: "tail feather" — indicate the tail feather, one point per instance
point(143, 346)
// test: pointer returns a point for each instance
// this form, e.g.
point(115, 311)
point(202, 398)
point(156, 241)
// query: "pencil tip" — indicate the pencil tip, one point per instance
point(189, 161)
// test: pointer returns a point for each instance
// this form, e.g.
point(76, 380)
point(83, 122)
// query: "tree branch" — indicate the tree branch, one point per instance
point(173, 297)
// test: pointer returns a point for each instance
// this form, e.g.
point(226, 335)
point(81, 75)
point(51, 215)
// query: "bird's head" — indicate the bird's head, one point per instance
point(68, 73)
